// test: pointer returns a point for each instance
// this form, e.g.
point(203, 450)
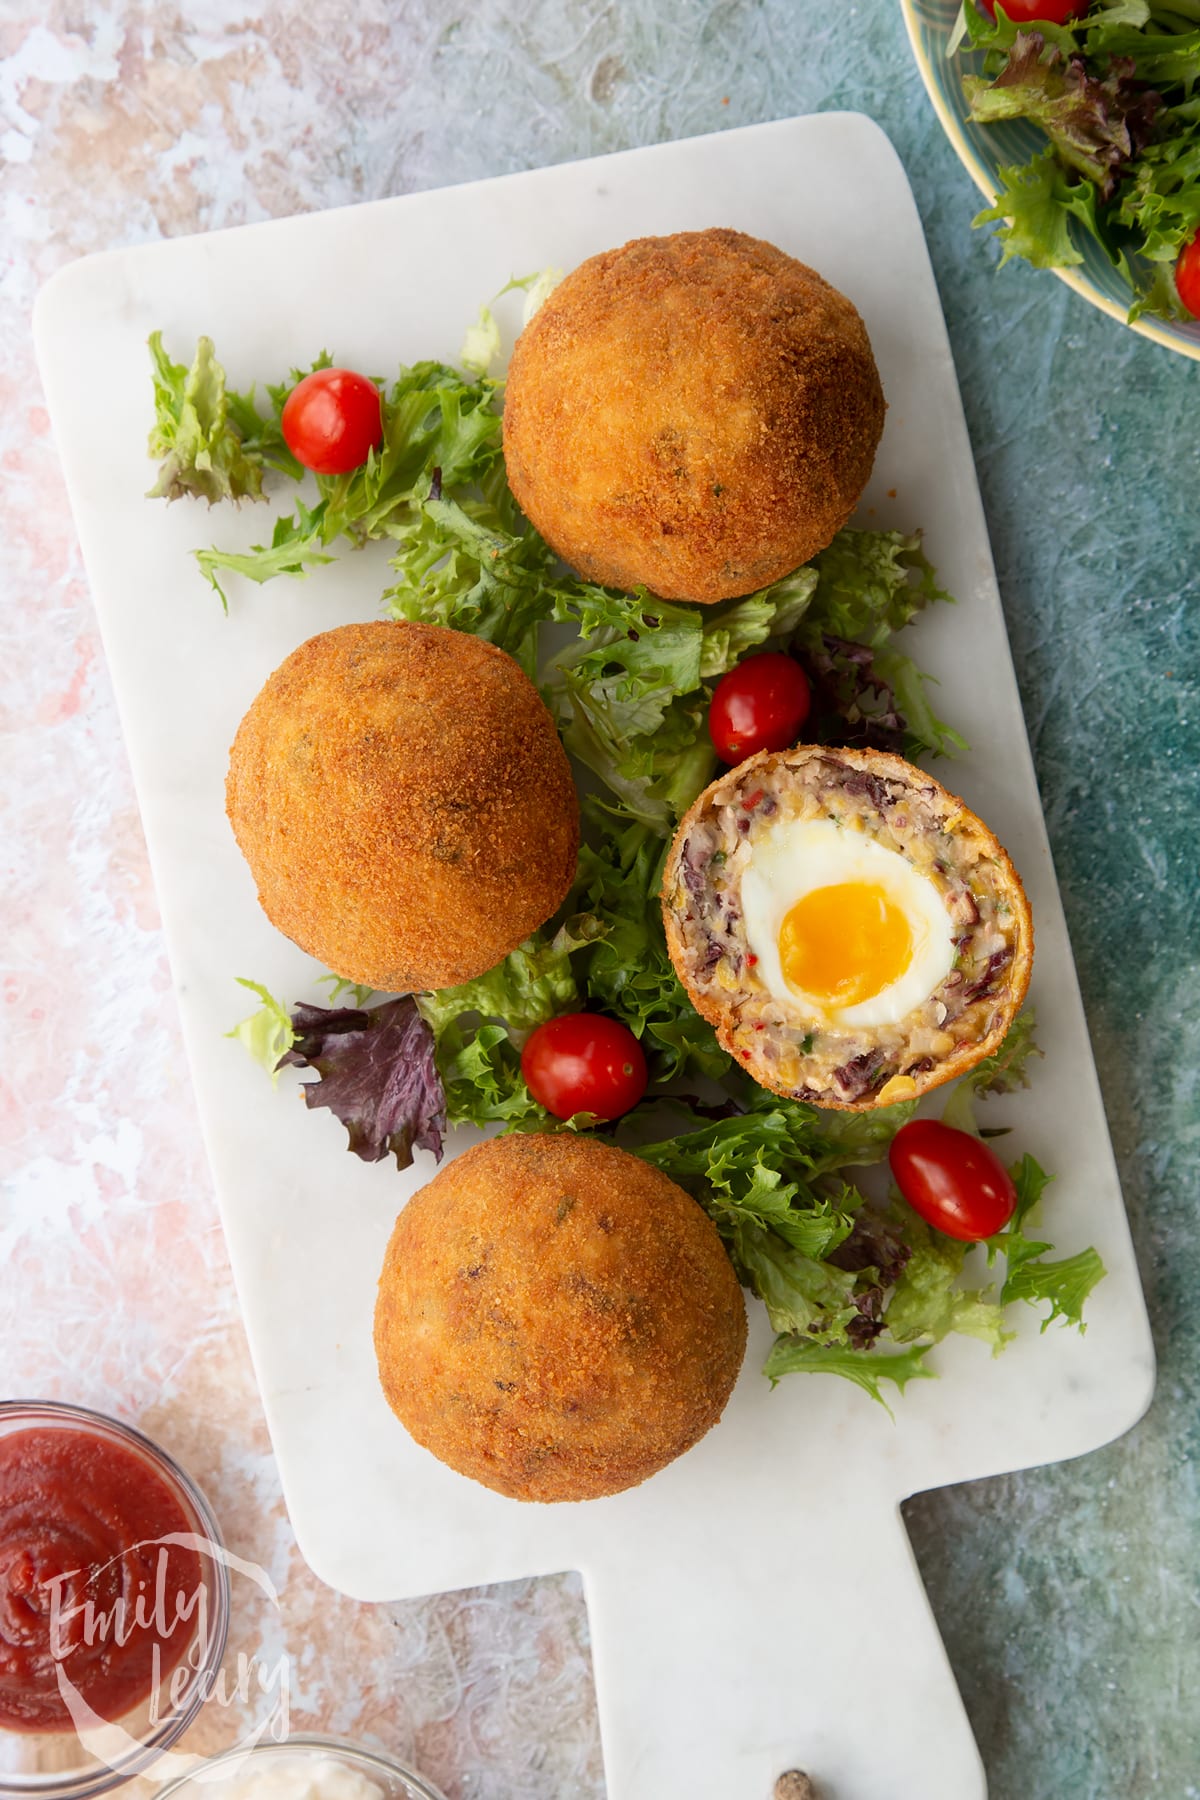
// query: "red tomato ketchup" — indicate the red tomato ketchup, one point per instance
point(89, 1592)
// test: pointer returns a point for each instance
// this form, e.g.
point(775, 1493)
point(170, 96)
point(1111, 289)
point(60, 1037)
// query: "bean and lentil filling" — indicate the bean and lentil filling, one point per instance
point(787, 1044)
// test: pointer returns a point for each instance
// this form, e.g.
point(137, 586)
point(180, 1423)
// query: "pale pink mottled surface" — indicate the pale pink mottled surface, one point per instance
point(120, 123)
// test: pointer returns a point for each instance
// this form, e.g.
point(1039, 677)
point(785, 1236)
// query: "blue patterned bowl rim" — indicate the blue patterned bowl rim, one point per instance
point(983, 150)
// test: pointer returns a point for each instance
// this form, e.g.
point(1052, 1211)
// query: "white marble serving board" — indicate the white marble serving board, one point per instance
point(755, 1606)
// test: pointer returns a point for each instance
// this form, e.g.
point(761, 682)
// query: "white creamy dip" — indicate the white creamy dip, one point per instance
point(304, 1776)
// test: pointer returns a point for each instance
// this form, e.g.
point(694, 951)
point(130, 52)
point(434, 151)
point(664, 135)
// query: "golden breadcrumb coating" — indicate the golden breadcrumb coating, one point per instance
point(403, 801)
point(695, 414)
point(557, 1319)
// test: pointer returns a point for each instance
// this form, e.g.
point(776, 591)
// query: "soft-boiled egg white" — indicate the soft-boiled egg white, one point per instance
point(843, 929)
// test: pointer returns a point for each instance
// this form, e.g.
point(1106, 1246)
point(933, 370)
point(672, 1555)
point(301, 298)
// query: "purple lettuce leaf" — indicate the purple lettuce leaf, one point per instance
point(854, 704)
point(1097, 124)
point(378, 1075)
point(874, 1244)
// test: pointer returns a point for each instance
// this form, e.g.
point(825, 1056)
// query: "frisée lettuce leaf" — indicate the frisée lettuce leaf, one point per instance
point(212, 442)
point(1004, 1072)
point(803, 1356)
point(441, 429)
point(839, 1273)
point(1115, 93)
point(627, 971)
point(438, 428)
point(631, 693)
point(480, 1069)
point(267, 1034)
point(528, 986)
point(852, 1281)
point(474, 566)
point(1065, 1283)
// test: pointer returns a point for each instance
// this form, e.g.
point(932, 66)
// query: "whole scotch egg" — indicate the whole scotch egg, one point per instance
point(853, 932)
point(697, 414)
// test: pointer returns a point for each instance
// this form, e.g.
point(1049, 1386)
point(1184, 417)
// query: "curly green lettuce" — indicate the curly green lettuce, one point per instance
point(1115, 93)
point(267, 1034)
point(841, 1276)
point(626, 971)
point(805, 1356)
point(1065, 1283)
point(439, 430)
point(1097, 123)
point(852, 1286)
point(630, 692)
point(212, 442)
point(474, 565)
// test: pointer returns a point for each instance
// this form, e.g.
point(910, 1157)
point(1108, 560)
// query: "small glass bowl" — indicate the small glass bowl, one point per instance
point(58, 1765)
point(204, 1782)
point(984, 150)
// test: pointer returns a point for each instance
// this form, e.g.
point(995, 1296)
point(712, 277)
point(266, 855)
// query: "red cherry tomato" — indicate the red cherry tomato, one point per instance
point(952, 1179)
point(584, 1062)
point(1187, 276)
point(1031, 12)
point(332, 420)
point(759, 705)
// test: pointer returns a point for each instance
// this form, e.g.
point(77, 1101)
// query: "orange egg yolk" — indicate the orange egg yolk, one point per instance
point(845, 943)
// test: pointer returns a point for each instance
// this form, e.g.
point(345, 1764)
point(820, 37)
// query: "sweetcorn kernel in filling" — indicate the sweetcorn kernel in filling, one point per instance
point(855, 934)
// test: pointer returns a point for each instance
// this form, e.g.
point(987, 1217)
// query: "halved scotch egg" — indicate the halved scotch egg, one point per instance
point(853, 932)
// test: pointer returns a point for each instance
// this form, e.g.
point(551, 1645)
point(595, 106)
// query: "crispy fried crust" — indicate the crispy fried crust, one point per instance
point(556, 1319)
point(984, 1023)
point(697, 414)
point(404, 804)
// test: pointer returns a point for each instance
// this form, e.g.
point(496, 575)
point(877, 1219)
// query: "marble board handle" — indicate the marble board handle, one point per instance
point(713, 1680)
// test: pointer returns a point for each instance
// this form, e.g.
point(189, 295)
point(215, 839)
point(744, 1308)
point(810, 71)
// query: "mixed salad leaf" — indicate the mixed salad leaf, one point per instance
point(852, 1285)
point(215, 443)
point(853, 1282)
point(1116, 93)
point(630, 693)
point(376, 1074)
